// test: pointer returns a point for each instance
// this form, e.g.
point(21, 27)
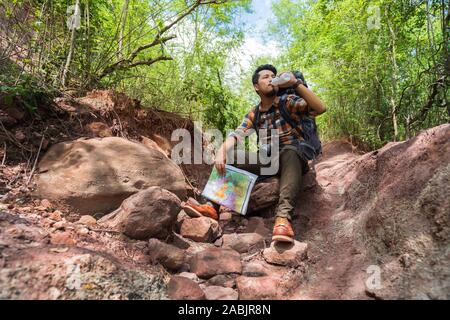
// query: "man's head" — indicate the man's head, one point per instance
point(261, 79)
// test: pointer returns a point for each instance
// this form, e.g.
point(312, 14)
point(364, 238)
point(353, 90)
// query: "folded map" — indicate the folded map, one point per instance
point(232, 190)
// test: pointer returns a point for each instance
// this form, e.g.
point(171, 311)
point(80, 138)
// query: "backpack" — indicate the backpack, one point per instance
point(310, 147)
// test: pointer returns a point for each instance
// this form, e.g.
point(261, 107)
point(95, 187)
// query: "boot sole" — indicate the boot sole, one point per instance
point(191, 212)
point(280, 238)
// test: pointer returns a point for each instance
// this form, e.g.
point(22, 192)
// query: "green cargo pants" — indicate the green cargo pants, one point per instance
point(291, 167)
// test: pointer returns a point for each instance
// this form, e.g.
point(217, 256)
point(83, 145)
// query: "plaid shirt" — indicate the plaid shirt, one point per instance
point(271, 119)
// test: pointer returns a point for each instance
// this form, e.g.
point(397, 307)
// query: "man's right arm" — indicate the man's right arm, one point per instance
point(244, 130)
point(221, 156)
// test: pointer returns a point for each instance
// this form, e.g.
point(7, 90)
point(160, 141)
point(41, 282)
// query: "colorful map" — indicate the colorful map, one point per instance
point(232, 190)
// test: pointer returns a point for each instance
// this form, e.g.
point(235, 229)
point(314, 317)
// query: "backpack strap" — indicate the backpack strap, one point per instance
point(286, 116)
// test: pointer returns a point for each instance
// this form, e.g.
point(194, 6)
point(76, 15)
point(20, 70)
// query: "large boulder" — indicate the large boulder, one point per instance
point(265, 194)
point(94, 176)
point(150, 213)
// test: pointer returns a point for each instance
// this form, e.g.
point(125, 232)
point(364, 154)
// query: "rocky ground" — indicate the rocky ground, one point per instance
point(100, 218)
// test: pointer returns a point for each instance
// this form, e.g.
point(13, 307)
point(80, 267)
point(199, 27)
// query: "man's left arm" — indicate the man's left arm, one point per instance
point(315, 104)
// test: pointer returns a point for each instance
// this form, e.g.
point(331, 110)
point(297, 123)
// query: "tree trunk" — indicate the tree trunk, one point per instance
point(72, 45)
point(394, 79)
point(122, 28)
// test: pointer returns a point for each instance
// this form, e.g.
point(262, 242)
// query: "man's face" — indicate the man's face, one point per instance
point(263, 87)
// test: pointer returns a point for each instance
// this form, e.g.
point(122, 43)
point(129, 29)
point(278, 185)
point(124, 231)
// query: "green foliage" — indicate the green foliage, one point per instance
point(22, 89)
point(111, 31)
point(381, 66)
point(373, 71)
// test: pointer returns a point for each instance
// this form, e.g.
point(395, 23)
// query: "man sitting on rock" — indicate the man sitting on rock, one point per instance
point(292, 162)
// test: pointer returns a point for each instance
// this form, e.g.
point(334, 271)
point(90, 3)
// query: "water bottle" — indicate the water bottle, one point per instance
point(285, 77)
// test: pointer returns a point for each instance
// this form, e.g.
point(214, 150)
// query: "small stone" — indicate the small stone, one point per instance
point(54, 293)
point(19, 135)
point(218, 242)
point(64, 238)
point(34, 216)
point(59, 250)
point(200, 229)
point(87, 220)
point(56, 215)
point(98, 129)
point(46, 204)
point(140, 245)
point(190, 275)
point(47, 222)
point(83, 231)
point(15, 232)
point(180, 218)
point(286, 254)
point(59, 225)
point(220, 293)
point(181, 288)
point(405, 260)
point(257, 288)
point(225, 216)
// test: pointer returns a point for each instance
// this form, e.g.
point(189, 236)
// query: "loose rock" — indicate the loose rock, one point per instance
point(220, 293)
point(200, 229)
point(286, 254)
point(181, 288)
point(260, 288)
point(148, 214)
point(214, 261)
point(169, 256)
point(243, 242)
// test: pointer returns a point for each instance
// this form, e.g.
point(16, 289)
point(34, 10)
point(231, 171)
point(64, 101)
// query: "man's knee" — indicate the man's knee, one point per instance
point(290, 158)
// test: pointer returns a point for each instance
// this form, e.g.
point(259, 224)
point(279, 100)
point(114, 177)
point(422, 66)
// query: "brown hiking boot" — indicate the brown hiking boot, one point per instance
point(203, 210)
point(282, 230)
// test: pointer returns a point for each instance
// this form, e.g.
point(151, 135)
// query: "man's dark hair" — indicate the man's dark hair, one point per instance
point(269, 67)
